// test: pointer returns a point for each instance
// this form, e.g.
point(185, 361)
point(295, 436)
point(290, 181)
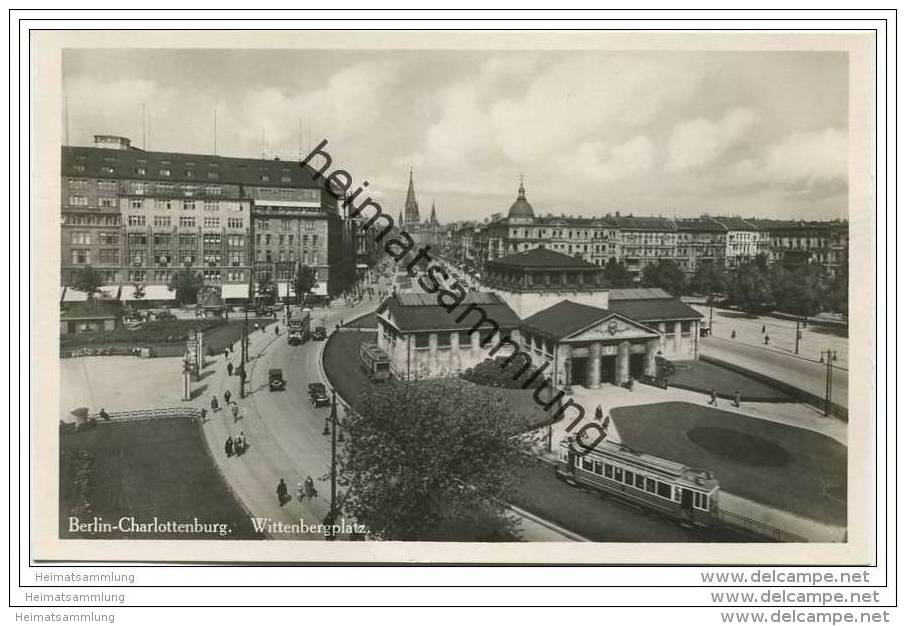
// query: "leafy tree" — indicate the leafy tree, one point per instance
point(266, 288)
point(303, 282)
point(495, 372)
point(709, 278)
point(802, 291)
point(616, 274)
point(426, 457)
point(87, 279)
point(838, 291)
point(187, 284)
point(667, 275)
point(750, 288)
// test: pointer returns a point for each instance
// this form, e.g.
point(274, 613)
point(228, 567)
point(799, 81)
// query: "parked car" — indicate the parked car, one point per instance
point(275, 380)
point(164, 315)
point(320, 333)
point(316, 388)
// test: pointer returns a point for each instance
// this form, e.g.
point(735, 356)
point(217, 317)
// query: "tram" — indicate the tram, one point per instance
point(673, 489)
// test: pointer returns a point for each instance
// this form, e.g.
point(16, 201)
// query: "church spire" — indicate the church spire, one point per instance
point(433, 219)
point(412, 216)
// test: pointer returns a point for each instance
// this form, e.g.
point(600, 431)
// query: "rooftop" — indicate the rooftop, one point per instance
point(565, 318)
point(92, 310)
point(421, 312)
point(541, 258)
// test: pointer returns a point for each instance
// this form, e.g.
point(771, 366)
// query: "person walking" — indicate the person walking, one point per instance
point(243, 442)
point(204, 415)
point(228, 446)
point(310, 490)
point(226, 396)
point(229, 369)
point(300, 492)
point(599, 413)
point(277, 329)
point(767, 340)
point(733, 334)
point(763, 329)
point(281, 492)
point(226, 354)
point(104, 415)
point(214, 405)
point(713, 400)
point(736, 398)
point(235, 411)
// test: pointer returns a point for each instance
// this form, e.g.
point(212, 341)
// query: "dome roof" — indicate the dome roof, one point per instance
point(521, 208)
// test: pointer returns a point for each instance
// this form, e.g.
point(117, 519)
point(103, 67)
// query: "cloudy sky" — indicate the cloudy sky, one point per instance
point(759, 134)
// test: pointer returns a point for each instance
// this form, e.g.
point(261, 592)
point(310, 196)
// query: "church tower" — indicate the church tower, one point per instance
point(432, 221)
point(411, 217)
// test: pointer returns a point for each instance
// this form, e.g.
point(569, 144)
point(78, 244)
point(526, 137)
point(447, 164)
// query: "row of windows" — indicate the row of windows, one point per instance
point(187, 205)
point(638, 481)
point(90, 220)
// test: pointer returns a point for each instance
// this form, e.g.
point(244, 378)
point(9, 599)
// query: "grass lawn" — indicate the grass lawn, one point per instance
point(703, 376)
point(598, 517)
point(167, 337)
point(788, 468)
point(145, 469)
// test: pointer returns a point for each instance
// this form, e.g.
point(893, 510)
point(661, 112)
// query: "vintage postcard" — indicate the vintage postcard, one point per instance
point(475, 297)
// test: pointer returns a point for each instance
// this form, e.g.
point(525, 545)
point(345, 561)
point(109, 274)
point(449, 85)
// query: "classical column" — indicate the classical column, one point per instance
point(696, 333)
point(432, 354)
point(622, 362)
point(676, 337)
point(651, 357)
point(593, 369)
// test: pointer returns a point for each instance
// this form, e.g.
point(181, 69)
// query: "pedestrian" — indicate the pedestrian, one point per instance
point(243, 442)
point(713, 400)
point(228, 446)
point(226, 396)
point(204, 415)
point(229, 369)
point(733, 334)
point(310, 490)
point(277, 329)
point(104, 415)
point(256, 326)
point(281, 492)
point(300, 492)
point(226, 354)
point(763, 329)
point(214, 405)
point(736, 398)
point(599, 413)
point(767, 340)
point(235, 410)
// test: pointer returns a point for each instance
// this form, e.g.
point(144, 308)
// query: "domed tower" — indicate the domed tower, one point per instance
point(521, 212)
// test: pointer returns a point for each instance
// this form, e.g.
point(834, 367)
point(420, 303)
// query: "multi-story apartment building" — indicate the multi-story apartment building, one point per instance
point(793, 244)
point(744, 240)
point(644, 241)
point(700, 240)
point(139, 216)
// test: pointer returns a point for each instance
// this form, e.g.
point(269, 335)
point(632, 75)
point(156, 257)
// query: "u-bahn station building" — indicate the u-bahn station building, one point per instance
point(557, 309)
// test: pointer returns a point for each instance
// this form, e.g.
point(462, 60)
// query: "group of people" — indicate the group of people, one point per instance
point(236, 445)
point(304, 490)
point(737, 398)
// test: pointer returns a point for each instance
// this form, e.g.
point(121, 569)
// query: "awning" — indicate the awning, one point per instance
point(109, 292)
point(74, 295)
point(320, 289)
point(150, 293)
point(282, 290)
point(235, 291)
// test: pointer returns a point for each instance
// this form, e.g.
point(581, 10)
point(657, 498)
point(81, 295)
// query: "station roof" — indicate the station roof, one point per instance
point(92, 310)
point(541, 258)
point(565, 318)
point(414, 312)
point(654, 310)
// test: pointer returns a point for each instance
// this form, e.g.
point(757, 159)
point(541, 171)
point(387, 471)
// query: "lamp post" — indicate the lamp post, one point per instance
point(711, 314)
point(332, 426)
point(829, 382)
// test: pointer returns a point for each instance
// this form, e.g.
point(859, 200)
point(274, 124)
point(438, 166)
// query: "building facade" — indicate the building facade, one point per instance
point(138, 217)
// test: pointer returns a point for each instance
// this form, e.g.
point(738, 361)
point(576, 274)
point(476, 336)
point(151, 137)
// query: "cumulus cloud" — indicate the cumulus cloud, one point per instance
point(597, 161)
point(696, 143)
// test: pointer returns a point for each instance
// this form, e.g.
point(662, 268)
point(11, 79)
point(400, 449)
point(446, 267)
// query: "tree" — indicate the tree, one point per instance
point(750, 288)
point(667, 275)
point(838, 291)
point(616, 274)
point(425, 457)
point(709, 278)
point(802, 291)
point(303, 282)
point(87, 279)
point(187, 284)
point(265, 288)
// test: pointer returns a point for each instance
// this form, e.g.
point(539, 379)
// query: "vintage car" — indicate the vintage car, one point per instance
point(320, 333)
point(319, 399)
point(275, 380)
point(316, 388)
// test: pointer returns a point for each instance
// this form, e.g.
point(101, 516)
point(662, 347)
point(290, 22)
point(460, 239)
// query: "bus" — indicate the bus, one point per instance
point(683, 493)
point(375, 362)
point(298, 326)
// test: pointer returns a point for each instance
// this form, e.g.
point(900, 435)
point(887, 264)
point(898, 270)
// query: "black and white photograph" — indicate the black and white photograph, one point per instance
point(515, 297)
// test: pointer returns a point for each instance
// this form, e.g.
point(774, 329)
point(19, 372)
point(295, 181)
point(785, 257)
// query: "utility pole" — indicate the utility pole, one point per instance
point(829, 383)
point(331, 515)
point(711, 314)
point(797, 335)
point(245, 347)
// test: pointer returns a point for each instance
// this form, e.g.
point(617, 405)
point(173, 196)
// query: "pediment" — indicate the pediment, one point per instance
point(614, 327)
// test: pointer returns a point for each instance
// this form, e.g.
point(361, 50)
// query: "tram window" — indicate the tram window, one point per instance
point(701, 501)
point(640, 481)
point(677, 494)
point(650, 485)
point(628, 478)
point(587, 464)
point(663, 490)
point(577, 461)
point(599, 467)
point(608, 470)
point(618, 474)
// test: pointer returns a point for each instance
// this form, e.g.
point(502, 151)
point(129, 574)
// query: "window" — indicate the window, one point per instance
point(137, 239)
point(78, 167)
point(81, 238)
point(109, 256)
point(465, 339)
point(212, 258)
point(640, 481)
point(137, 276)
point(422, 340)
point(212, 240)
point(190, 174)
point(161, 220)
point(599, 467)
point(187, 240)
point(166, 204)
point(587, 464)
point(78, 200)
point(443, 340)
point(106, 169)
point(107, 203)
point(188, 190)
point(141, 170)
point(162, 239)
point(81, 257)
point(213, 190)
point(618, 474)
point(164, 172)
point(136, 220)
point(234, 222)
point(164, 259)
point(78, 183)
point(290, 240)
point(212, 274)
point(211, 206)
point(267, 240)
point(188, 205)
point(663, 490)
point(108, 238)
point(137, 203)
point(235, 257)
point(628, 477)
point(699, 500)
point(213, 175)
point(187, 222)
point(212, 222)
point(285, 179)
